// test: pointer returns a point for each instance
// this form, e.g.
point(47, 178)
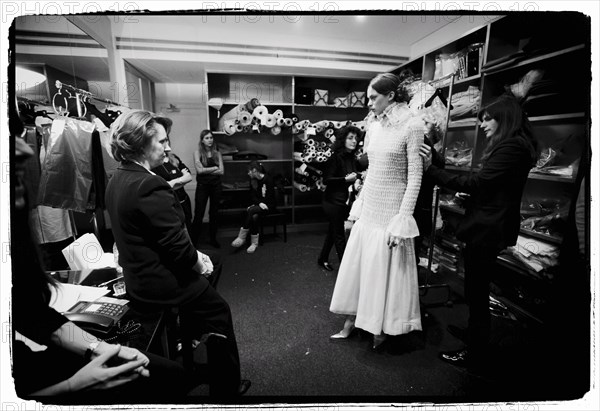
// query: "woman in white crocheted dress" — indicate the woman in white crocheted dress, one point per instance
point(377, 285)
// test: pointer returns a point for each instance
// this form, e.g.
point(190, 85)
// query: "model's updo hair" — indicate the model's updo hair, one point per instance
point(385, 83)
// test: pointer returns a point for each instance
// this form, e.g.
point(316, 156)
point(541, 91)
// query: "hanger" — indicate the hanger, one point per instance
point(438, 93)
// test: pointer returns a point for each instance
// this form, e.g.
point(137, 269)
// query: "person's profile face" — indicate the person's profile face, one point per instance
point(377, 102)
point(488, 125)
point(156, 151)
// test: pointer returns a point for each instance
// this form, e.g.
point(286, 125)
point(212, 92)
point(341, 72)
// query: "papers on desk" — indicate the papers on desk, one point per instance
point(86, 252)
point(66, 296)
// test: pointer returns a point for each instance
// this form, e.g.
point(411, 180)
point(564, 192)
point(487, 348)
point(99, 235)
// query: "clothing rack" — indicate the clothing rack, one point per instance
point(83, 96)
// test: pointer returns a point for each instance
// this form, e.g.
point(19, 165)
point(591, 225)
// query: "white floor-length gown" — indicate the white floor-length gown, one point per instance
point(378, 284)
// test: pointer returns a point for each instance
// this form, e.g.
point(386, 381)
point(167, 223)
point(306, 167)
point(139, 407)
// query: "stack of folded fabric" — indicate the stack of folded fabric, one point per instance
point(459, 154)
point(465, 103)
point(534, 254)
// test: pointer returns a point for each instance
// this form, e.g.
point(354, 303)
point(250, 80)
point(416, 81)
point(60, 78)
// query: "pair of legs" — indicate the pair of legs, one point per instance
point(211, 313)
point(252, 222)
point(478, 263)
point(336, 215)
point(204, 192)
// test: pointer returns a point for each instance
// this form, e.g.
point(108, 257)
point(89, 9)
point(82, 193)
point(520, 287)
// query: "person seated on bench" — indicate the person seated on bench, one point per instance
point(262, 202)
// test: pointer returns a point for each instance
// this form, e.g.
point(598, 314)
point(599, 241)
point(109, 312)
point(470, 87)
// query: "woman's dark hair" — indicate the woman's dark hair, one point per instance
point(385, 83)
point(204, 151)
point(342, 134)
point(512, 121)
point(132, 132)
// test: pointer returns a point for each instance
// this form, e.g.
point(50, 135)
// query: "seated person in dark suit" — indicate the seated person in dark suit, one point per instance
point(161, 267)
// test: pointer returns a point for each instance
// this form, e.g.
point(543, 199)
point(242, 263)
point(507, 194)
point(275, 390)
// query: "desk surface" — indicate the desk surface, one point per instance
point(149, 322)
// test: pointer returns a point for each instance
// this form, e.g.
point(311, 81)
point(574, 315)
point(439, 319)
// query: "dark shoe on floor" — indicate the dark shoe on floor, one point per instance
point(244, 386)
point(460, 357)
point(325, 265)
point(457, 332)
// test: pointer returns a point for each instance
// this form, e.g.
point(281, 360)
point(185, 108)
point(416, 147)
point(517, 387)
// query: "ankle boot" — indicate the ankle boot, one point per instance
point(253, 244)
point(241, 238)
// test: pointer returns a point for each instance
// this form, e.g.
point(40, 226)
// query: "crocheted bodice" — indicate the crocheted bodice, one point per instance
point(395, 170)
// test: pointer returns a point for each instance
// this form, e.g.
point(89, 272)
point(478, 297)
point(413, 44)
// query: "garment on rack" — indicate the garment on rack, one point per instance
point(49, 225)
point(67, 175)
point(31, 176)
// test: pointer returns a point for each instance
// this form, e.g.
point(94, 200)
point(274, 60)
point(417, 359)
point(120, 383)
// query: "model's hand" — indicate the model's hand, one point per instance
point(425, 153)
point(394, 241)
point(351, 178)
point(99, 375)
point(263, 206)
point(348, 225)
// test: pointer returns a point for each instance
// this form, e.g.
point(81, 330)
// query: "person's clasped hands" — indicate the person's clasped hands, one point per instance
point(263, 206)
point(111, 366)
point(206, 265)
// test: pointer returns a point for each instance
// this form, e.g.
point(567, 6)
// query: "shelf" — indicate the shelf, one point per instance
point(517, 308)
point(457, 168)
point(281, 160)
point(535, 59)
point(550, 177)
point(229, 190)
point(453, 208)
point(305, 206)
point(446, 83)
point(330, 106)
point(557, 117)
point(462, 124)
point(234, 103)
point(541, 236)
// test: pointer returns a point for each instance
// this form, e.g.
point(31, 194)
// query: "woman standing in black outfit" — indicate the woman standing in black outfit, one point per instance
point(341, 173)
point(176, 173)
point(492, 216)
point(209, 169)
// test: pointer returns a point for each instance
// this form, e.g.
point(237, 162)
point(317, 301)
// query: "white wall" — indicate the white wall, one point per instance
point(457, 27)
point(187, 123)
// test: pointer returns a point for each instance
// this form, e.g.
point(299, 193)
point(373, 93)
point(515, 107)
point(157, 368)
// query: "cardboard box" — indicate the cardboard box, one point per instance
point(321, 97)
point(340, 102)
point(356, 99)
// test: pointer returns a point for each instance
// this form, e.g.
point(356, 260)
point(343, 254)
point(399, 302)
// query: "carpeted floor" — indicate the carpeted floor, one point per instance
point(280, 299)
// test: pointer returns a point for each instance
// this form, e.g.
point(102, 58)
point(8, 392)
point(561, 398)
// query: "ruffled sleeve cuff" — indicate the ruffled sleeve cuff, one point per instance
point(356, 209)
point(403, 226)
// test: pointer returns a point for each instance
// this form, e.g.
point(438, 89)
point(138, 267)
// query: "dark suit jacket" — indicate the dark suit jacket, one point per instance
point(492, 215)
point(155, 250)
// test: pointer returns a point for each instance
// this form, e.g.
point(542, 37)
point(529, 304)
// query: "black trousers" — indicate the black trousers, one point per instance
point(253, 219)
point(336, 215)
point(204, 192)
point(211, 314)
point(36, 370)
point(479, 261)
